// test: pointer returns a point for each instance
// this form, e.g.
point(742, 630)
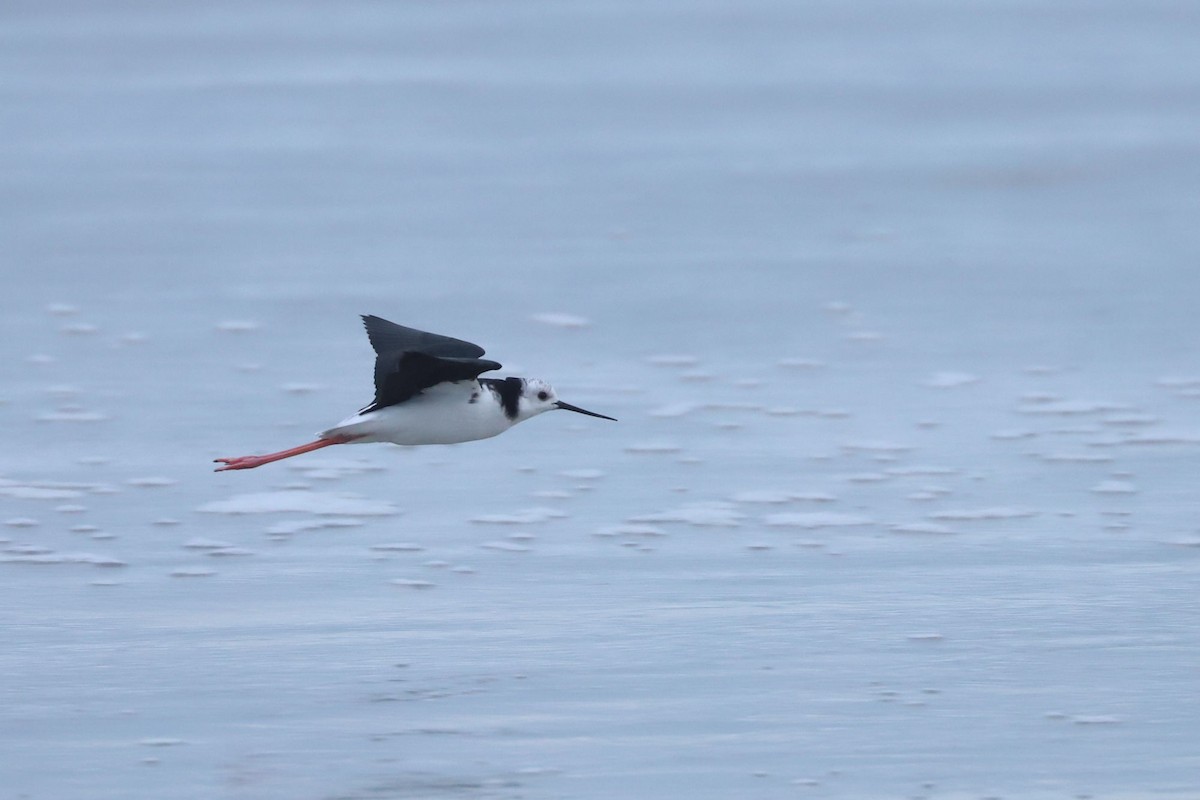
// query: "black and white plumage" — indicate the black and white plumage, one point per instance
point(428, 391)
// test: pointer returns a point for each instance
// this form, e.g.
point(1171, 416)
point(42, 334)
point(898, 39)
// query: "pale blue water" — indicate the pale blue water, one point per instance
point(896, 305)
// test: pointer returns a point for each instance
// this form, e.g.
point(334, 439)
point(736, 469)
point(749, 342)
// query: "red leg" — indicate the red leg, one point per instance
point(250, 462)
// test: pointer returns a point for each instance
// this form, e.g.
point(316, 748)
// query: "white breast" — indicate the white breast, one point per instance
point(444, 414)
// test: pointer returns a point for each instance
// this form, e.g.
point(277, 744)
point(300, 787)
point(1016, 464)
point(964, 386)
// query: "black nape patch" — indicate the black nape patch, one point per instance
point(508, 391)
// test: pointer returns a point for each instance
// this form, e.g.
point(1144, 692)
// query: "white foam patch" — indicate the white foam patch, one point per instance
point(630, 529)
point(1069, 408)
point(653, 448)
point(1095, 719)
point(702, 515)
point(1079, 429)
point(732, 406)
point(60, 558)
point(22, 522)
point(397, 547)
point(71, 415)
point(506, 547)
point(230, 551)
point(973, 514)
point(673, 360)
point(838, 307)
point(1160, 438)
point(288, 527)
point(526, 517)
point(800, 363)
point(1114, 487)
point(674, 410)
point(951, 380)
point(765, 496)
point(583, 474)
point(28, 549)
point(559, 319)
point(682, 409)
point(152, 482)
point(64, 390)
point(193, 572)
point(816, 519)
point(875, 446)
point(302, 388)
point(333, 467)
point(551, 494)
point(865, 477)
point(1059, 457)
point(202, 543)
point(80, 329)
point(923, 528)
point(301, 501)
point(237, 326)
point(921, 470)
point(1179, 382)
point(1130, 420)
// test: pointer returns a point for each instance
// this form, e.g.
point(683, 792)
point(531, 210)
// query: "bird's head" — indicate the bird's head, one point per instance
point(538, 396)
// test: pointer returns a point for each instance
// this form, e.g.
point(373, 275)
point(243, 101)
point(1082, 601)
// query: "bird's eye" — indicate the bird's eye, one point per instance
point(543, 395)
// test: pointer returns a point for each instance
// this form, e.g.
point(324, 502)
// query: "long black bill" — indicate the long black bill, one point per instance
point(578, 410)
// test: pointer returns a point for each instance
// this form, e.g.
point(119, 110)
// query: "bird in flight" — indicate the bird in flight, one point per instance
point(428, 391)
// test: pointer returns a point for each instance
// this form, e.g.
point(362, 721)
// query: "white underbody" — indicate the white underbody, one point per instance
point(442, 414)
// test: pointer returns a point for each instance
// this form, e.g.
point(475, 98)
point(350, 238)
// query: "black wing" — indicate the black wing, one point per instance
point(401, 376)
point(388, 337)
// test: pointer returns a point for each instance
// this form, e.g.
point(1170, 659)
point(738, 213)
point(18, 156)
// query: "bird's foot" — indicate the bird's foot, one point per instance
point(241, 462)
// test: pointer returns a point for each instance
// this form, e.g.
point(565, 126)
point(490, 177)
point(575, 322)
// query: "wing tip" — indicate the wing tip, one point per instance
point(387, 336)
point(371, 324)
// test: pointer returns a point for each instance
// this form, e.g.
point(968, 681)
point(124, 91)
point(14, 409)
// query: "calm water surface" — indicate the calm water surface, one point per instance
point(896, 306)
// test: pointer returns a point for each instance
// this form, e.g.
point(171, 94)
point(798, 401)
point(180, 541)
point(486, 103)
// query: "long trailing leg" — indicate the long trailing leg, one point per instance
point(250, 462)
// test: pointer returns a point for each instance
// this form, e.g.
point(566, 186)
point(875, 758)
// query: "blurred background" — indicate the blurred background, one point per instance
point(895, 303)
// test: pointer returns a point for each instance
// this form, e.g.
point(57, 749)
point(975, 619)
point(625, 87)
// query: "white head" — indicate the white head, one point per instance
point(528, 397)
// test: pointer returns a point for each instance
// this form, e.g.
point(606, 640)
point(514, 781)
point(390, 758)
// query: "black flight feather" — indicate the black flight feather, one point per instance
point(388, 337)
point(409, 361)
